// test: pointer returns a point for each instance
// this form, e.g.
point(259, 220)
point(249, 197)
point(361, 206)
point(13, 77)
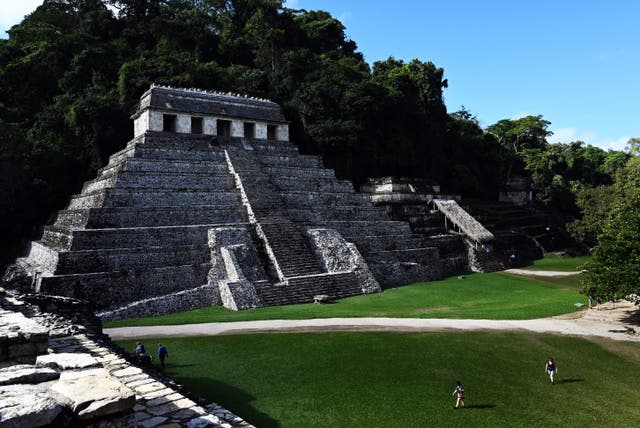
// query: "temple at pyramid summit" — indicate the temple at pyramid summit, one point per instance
point(211, 204)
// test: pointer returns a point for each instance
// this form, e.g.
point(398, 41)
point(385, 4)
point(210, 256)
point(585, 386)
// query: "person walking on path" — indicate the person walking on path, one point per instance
point(551, 369)
point(162, 353)
point(459, 393)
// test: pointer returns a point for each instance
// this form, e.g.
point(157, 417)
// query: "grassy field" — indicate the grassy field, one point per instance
point(478, 295)
point(405, 380)
point(555, 261)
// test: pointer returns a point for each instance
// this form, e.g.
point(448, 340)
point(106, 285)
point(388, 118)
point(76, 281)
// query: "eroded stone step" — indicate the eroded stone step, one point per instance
point(174, 154)
point(298, 171)
point(133, 179)
point(300, 199)
point(306, 161)
point(310, 183)
point(140, 237)
point(364, 227)
point(319, 215)
point(425, 255)
point(120, 287)
point(145, 197)
point(105, 260)
point(368, 243)
point(119, 217)
point(216, 167)
point(303, 289)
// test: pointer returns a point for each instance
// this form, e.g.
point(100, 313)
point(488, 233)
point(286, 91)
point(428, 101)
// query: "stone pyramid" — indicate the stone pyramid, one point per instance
point(210, 204)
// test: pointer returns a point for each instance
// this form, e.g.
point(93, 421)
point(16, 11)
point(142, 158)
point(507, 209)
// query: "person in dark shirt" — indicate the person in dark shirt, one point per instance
point(140, 349)
point(551, 369)
point(162, 353)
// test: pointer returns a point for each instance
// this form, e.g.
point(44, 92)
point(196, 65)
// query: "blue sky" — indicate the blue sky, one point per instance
point(577, 63)
point(574, 62)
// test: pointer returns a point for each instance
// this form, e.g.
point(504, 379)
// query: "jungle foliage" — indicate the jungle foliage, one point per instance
point(72, 71)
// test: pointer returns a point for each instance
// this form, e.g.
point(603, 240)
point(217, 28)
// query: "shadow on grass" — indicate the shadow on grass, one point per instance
point(172, 366)
point(479, 406)
point(231, 398)
point(569, 380)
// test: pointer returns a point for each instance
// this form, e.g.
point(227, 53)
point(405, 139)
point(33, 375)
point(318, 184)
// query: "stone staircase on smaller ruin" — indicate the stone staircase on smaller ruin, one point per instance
point(521, 233)
point(302, 289)
point(408, 201)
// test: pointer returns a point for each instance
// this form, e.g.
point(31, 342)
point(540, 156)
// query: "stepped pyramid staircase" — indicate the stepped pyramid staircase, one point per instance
point(177, 222)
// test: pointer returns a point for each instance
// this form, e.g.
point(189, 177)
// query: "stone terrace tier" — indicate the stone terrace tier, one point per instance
point(139, 230)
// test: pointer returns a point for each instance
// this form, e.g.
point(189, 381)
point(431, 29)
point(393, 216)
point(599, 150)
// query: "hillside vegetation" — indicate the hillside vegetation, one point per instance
point(72, 71)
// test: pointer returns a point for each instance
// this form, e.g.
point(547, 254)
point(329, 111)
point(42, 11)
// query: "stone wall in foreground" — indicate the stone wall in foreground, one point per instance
point(55, 371)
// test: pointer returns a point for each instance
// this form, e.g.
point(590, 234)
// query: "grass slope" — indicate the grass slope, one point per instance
point(479, 295)
point(554, 261)
point(393, 380)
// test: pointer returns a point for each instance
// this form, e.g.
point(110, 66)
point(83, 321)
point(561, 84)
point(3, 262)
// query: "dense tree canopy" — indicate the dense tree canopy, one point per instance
point(560, 171)
point(71, 74)
point(614, 271)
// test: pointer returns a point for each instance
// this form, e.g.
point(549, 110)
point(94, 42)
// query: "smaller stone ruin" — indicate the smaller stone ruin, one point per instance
point(470, 235)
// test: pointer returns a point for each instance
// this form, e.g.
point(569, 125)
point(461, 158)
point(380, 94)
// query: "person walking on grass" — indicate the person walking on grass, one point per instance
point(459, 393)
point(551, 369)
point(162, 353)
point(140, 349)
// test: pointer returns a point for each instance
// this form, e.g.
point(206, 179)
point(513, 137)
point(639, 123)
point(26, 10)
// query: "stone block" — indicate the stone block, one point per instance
point(203, 421)
point(28, 406)
point(67, 361)
point(95, 396)
point(24, 373)
point(129, 371)
point(192, 412)
point(89, 372)
point(152, 422)
point(149, 387)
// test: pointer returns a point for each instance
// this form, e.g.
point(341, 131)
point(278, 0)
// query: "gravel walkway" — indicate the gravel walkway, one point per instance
point(542, 272)
point(617, 322)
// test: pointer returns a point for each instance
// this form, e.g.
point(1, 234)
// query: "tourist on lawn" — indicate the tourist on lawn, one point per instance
point(459, 393)
point(140, 349)
point(162, 353)
point(551, 369)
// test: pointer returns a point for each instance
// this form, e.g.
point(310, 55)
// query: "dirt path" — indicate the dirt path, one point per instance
point(541, 272)
point(617, 322)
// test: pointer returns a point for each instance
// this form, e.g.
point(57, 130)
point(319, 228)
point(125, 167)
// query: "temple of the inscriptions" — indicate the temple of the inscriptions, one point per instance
point(211, 204)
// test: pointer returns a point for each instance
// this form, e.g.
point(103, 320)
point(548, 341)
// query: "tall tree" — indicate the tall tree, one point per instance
point(633, 146)
point(614, 271)
point(529, 132)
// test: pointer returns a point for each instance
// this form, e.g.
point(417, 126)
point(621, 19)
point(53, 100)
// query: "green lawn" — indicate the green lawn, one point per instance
point(555, 261)
point(405, 380)
point(478, 295)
